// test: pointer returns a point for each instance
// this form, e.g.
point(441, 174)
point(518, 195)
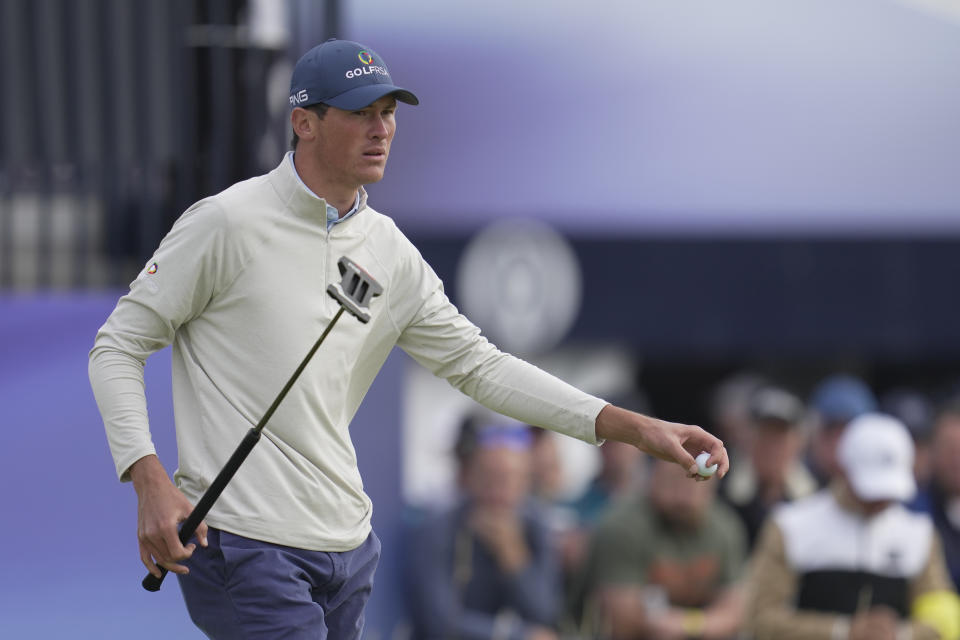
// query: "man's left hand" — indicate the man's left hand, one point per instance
point(670, 441)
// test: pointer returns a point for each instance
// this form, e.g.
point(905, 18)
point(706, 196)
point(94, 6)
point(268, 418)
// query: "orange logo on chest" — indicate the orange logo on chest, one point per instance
point(690, 583)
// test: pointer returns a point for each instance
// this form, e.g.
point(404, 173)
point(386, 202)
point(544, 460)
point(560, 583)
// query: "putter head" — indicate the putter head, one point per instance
point(355, 289)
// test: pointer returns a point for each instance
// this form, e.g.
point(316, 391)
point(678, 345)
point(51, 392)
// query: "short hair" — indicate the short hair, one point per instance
point(318, 108)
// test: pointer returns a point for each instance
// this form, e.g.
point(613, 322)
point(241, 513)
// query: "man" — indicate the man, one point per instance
point(941, 499)
point(773, 472)
point(667, 564)
point(914, 408)
point(237, 287)
point(485, 567)
point(851, 561)
point(835, 401)
point(622, 471)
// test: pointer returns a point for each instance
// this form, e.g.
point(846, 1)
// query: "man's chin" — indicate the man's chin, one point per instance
point(370, 177)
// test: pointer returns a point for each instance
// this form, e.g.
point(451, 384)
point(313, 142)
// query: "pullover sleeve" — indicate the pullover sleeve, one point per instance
point(174, 287)
point(441, 339)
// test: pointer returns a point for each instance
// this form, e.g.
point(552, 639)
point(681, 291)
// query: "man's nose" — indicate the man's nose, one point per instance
point(378, 129)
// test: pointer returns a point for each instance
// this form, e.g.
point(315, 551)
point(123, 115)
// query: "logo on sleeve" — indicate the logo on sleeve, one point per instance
point(152, 268)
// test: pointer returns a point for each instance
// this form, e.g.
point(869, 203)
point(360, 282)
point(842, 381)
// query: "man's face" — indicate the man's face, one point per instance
point(499, 477)
point(352, 146)
point(775, 446)
point(946, 453)
point(869, 508)
point(679, 500)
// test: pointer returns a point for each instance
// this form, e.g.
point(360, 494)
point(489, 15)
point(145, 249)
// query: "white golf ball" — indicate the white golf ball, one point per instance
point(702, 468)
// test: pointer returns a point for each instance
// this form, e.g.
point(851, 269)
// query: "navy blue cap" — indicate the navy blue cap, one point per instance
point(344, 74)
point(841, 398)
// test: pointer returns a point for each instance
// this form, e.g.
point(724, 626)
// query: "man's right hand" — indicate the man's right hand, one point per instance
point(877, 623)
point(160, 508)
point(501, 531)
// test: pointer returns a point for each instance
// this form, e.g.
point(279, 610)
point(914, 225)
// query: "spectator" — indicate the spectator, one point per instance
point(850, 561)
point(666, 565)
point(837, 400)
point(774, 471)
point(567, 539)
point(621, 475)
point(547, 483)
point(913, 409)
point(942, 497)
point(730, 412)
point(621, 471)
point(485, 568)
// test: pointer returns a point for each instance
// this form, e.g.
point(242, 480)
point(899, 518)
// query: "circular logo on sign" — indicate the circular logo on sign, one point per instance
point(520, 282)
point(365, 57)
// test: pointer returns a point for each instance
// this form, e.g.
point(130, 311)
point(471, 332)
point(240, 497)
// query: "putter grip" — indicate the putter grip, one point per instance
point(189, 526)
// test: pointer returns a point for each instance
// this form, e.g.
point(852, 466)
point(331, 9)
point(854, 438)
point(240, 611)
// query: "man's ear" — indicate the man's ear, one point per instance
point(304, 123)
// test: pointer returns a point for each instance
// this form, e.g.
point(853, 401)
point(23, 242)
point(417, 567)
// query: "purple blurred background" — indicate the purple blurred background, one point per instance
point(741, 118)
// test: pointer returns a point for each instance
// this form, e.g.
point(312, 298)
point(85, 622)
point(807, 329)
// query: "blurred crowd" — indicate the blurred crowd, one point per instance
point(839, 518)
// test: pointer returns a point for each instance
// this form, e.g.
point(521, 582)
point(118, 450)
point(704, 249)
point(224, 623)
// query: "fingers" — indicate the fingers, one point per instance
point(163, 548)
point(201, 534)
point(153, 560)
point(703, 441)
point(147, 560)
point(718, 456)
point(180, 568)
point(723, 462)
point(687, 461)
point(161, 507)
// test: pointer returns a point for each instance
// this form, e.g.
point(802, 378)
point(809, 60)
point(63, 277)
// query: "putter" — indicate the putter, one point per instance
point(353, 292)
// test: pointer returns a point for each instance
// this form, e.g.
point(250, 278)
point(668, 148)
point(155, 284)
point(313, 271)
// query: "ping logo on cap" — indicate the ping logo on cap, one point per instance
point(365, 57)
point(299, 97)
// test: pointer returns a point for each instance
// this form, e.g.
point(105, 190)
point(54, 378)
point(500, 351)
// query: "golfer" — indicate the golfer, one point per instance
point(238, 287)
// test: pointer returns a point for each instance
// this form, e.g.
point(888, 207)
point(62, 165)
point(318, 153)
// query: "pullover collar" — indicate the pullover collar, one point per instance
point(301, 200)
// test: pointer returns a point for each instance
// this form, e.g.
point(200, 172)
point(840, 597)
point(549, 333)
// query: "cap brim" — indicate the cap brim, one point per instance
point(884, 485)
point(364, 96)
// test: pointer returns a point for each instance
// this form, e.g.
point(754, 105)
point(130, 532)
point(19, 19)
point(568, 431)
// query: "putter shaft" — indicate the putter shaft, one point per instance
point(189, 526)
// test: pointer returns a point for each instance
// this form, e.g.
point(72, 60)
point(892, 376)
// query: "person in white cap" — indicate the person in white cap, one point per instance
point(851, 562)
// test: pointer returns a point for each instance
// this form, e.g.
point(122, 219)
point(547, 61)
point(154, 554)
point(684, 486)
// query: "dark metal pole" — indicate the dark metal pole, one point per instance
point(331, 20)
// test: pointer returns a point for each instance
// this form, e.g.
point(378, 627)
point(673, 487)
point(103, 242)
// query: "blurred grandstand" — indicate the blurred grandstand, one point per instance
point(118, 115)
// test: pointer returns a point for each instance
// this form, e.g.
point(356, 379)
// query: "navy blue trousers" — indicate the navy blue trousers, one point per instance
point(240, 589)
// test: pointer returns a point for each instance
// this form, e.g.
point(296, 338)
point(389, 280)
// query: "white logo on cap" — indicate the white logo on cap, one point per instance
point(299, 97)
point(366, 71)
